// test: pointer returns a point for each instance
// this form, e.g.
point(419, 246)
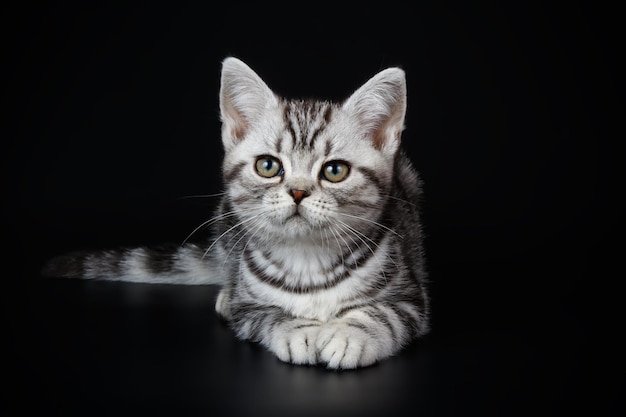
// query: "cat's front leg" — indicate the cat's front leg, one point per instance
point(290, 338)
point(362, 336)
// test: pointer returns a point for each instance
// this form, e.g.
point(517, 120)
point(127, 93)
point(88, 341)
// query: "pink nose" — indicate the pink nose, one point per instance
point(298, 195)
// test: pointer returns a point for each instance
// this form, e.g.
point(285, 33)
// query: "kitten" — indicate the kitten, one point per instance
point(317, 242)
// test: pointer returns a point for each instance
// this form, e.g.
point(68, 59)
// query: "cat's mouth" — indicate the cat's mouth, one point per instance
point(296, 216)
point(297, 219)
point(297, 222)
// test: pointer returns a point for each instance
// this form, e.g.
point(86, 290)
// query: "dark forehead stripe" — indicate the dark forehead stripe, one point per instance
point(279, 144)
point(321, 123)
point(305, 120)
point(289, 125)
point(328, 148)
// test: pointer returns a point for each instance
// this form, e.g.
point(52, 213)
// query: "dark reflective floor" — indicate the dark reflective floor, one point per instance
point(85, 348)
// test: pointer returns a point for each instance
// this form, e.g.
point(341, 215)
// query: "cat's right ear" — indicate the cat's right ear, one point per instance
point(244, 96)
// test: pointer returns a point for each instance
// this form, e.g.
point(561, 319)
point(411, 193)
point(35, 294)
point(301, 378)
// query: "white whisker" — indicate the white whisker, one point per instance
point(364, 239)
point(228, 231)
point(207, 223)
point(343, 261)
point(248, 229)
point(257, 228)
point(399, 199)
point(382, 226)
point(223, 193)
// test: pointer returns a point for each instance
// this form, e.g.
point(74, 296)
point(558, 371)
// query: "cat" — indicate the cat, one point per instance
point(317, 242)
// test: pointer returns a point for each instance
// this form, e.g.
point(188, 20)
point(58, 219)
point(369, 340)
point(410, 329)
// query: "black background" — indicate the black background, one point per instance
point(112, 121)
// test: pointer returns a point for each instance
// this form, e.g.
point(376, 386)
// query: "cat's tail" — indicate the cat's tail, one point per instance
point(184, 265)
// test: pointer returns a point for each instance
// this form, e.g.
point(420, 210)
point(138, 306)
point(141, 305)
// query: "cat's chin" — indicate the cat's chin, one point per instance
point(298, 227)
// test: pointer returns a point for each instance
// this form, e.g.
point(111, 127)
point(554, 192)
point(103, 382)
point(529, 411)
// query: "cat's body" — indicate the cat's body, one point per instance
point(317, 242)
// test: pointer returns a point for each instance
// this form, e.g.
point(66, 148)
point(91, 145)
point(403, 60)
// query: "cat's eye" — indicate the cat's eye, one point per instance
point(268, 166)
point(335, 171)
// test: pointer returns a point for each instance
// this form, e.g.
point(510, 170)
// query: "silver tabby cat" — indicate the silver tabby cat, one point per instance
point(317, 242)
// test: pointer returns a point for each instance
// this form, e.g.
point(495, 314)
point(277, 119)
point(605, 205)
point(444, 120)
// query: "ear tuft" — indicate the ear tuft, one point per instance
point(380, 106)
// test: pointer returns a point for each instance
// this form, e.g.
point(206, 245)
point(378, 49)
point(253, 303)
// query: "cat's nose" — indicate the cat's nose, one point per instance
point(298, 195)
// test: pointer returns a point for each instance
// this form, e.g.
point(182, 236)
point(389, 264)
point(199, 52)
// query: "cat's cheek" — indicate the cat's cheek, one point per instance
point(359, 199)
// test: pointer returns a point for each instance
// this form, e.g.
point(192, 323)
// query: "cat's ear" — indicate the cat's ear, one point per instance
point(243, 99)
point(379, 107)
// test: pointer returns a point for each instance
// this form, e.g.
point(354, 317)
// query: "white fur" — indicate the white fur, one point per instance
point(322, 304)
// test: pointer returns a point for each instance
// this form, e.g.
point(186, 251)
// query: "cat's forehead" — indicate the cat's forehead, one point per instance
point(303, 131)
point(305, 121)
point(311, 127)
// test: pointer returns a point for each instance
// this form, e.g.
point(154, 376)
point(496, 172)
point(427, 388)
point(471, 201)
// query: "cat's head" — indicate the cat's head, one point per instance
point(297, 168)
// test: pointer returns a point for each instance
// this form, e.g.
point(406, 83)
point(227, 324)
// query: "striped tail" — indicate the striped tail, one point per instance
point(184, 265)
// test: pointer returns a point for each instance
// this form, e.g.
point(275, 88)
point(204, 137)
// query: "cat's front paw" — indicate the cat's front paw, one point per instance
point(222, 304)
point(346, 345)
point(296, 344)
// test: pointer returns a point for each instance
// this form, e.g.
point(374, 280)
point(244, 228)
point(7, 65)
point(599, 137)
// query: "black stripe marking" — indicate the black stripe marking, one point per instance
point(279, 144)
point(321, 127)
point(161, 259)
point(305, 325)
point(330, 339)
point(289, 125)
point(233, 173)
point(407, 320)
point(311, 118)
point(371, 175)
point(375, 314)
point(279, 282)
point(359, 325)
point(348, 252)
point(289, 351)
point(328, 114)
point(340, 270)
point(328, 149)
point(384, 319)
point(259, 318)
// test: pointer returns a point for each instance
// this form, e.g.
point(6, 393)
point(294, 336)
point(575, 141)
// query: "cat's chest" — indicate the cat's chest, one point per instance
point(295, 268)
point(307, 282)
point(299, 262)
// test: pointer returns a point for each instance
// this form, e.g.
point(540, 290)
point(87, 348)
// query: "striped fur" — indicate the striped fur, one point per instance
point(319, 272)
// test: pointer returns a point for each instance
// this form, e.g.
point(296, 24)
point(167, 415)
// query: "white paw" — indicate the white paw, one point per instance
point(296, 345)
point(346, 346)
point(222, 304)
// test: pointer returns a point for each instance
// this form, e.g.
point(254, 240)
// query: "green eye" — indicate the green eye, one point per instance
point(268, 166)
point(335, 171)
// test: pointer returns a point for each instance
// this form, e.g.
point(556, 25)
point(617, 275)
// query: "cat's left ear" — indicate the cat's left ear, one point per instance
point(379, 107)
